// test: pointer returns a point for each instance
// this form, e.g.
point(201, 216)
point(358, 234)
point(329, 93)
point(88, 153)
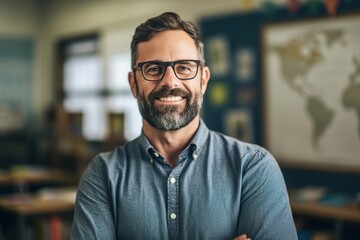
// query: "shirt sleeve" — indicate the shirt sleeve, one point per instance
point(93, 218)
point(265, 208)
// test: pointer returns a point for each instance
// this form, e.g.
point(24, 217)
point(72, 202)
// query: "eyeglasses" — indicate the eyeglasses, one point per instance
point(155, 70)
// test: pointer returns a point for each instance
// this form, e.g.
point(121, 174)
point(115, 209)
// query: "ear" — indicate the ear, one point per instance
point(205, 78)
point(132, 83)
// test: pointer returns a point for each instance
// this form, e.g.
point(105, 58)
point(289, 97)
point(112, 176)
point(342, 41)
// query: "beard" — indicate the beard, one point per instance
point(169, 118)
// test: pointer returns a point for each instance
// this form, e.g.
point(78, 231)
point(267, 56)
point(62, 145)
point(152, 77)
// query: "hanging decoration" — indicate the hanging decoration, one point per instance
point(331, 6)
point(268, 7)
point(313, 5)
point(246, 5)
point(293, 5)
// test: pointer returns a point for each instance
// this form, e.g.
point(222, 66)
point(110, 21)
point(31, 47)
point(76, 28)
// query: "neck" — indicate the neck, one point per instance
point(171, 143)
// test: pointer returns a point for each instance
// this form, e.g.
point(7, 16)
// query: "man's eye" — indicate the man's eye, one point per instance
point(183, 68)
point(154, 70)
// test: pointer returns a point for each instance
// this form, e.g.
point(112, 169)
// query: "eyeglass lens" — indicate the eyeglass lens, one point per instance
point(184, 70)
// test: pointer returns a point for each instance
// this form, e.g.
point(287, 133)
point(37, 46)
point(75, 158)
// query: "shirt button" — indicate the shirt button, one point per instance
point(173, 216)
point(195, 156)
point(156, 154)
point(172, 180)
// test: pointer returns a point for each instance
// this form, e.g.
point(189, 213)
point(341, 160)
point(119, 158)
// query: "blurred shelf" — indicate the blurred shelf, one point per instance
point(35, 207)
point(349, 213)
point(32, 176)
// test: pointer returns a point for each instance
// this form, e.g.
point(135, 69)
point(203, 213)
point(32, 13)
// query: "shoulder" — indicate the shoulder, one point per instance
point(250, 154)
point(114, 161)
point(232, 144)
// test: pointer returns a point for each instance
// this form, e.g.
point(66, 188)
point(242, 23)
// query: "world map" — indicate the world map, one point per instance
point(313, 74)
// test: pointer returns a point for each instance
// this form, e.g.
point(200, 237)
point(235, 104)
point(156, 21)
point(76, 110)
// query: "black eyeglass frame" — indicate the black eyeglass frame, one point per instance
point(166, 64)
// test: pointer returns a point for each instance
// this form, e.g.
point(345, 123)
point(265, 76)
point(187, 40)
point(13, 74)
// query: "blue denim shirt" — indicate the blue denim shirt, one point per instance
point(220, 188)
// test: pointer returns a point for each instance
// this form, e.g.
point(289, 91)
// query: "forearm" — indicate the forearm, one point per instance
point(265, 208)
point(93, 218)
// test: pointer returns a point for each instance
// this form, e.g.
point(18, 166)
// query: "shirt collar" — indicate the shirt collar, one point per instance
point(196, 143)
point(200, 137)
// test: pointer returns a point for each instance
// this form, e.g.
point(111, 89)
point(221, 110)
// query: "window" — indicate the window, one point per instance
point(97, 88)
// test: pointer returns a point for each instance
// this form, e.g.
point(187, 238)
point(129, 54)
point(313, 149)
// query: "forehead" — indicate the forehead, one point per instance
point(167, 46)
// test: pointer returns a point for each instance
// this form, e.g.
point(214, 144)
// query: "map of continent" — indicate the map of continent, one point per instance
point(351, 95)
point(312, 90)
point(298, 57)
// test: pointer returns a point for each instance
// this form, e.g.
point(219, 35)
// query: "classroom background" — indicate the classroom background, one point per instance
point(285, 74)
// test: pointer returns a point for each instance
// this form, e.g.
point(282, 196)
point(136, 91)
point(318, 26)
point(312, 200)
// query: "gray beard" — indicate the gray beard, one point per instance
point(169, 118)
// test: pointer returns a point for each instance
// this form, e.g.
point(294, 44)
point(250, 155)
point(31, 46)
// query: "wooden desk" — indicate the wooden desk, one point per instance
point(25, 205)
point(349, 213)
point(32, 177)
point(339, 214)
point(33, 207)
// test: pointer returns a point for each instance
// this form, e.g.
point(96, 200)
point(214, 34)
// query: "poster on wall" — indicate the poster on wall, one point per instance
point(218, 50)
point(312, 91)
point(239, 124)
point(245, 64)
point(16, 73)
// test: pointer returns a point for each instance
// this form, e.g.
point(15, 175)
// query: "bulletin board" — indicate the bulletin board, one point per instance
point(232, 103)
point(256, 94)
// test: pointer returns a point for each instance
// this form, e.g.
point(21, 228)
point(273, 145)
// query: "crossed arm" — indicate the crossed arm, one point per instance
point(242, 237)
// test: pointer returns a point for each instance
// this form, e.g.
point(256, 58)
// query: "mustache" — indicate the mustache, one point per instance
point(165, 92)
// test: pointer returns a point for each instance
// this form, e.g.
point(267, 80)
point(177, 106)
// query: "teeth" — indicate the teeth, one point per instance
point(171, 98)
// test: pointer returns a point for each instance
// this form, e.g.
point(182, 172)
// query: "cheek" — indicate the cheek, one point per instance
point(147, 94)
point(145, 89)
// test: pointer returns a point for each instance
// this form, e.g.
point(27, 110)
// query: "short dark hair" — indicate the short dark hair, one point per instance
point(164, 22)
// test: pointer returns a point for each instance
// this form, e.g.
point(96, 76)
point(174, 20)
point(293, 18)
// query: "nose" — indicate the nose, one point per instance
point(170, 80)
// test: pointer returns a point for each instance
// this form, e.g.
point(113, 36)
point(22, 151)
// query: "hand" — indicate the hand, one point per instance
point(242, 237)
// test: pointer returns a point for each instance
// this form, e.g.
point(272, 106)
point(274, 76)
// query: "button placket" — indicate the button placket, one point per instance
point(173, 202)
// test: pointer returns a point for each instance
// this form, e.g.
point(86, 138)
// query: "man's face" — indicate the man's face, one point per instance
point(169, 104)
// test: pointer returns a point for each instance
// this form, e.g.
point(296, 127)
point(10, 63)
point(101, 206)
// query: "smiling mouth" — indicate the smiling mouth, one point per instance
point(169, 96)
point(170, 99)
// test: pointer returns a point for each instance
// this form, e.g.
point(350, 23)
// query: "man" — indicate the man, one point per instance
point(179, 180)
